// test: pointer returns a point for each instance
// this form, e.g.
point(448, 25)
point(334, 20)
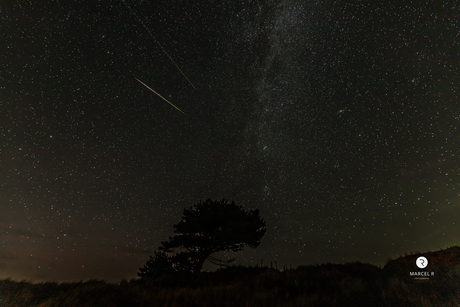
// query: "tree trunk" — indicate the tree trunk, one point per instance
point(204, 255)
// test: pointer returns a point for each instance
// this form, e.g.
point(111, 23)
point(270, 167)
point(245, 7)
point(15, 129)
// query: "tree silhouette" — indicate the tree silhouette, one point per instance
point(159, 264)
point(205, 229)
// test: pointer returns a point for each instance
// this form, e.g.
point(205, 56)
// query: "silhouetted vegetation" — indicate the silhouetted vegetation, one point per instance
point(350, 284)
point(205, 229)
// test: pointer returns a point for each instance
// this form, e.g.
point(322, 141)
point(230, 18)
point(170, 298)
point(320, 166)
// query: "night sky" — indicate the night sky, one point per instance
point(338, 120)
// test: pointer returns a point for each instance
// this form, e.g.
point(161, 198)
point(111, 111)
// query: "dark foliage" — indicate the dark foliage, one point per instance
point(159, 264)
point(205, 229)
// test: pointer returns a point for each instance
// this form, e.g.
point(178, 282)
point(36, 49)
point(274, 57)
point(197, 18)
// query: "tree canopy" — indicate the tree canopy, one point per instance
point(205, 229)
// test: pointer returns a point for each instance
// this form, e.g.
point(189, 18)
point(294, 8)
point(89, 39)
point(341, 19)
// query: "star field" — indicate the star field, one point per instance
point(337, 119)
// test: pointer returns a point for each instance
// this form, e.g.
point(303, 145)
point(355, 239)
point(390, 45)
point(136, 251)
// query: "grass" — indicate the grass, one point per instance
point(351, 284)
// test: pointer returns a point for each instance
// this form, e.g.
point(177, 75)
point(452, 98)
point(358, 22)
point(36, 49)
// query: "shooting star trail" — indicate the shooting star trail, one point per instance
point(160, 96)
point(143, 24)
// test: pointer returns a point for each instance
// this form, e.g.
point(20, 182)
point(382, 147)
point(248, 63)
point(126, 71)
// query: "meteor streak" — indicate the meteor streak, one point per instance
point(160, 96)
point(143, 24)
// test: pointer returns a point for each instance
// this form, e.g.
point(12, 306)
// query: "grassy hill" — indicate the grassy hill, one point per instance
point(350, 284)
